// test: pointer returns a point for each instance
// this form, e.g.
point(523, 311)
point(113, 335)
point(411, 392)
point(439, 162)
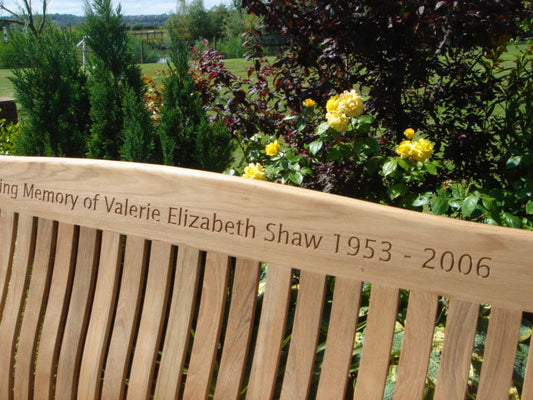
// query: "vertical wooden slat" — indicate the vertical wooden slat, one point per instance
point(339, 343)
point(179, 323)
point(267, 352)
point(101, 314)
point(302, 350)
point(239, 329)
point(40, 279)
point(78, 314)
point(52, 328)
point(15, 301)
point(210, 314)
point(377, 345)
point(499, 355)
point(527, 389)
point(8, 229)
point(416, 346)
point(151, 324)
point(457, 348)
point(126, 316)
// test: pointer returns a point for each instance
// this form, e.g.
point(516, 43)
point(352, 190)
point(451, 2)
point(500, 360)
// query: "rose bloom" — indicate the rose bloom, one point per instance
point(308, 103)
point(405, 149)
point(272, 149)
point(351, 103)
point(254, 171)
point(423, 149)
point(332, 106)
point(409, 133)
point(338, 121)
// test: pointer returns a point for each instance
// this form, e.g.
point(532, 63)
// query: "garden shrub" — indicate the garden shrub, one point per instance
point(188, 138)
point(52, 94)
point(116, 88)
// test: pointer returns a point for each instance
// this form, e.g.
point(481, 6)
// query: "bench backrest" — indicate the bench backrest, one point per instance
point(135, 280)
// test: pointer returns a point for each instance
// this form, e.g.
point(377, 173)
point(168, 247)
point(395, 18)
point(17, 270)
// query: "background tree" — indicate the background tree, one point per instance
point(52, 93)
point(26, 15)
point(187, 137)
point(114, 76)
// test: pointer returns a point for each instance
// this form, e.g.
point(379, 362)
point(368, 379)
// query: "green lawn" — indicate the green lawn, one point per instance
point(6, 87)
point(236, 65)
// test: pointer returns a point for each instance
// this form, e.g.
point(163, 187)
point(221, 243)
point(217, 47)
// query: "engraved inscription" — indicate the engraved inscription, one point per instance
point(447, 261)
point(358, 247)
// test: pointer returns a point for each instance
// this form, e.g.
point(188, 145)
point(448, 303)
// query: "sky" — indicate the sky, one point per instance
point(129, 7)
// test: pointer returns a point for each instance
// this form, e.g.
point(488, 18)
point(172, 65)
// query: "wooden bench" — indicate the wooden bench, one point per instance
point(127, 280)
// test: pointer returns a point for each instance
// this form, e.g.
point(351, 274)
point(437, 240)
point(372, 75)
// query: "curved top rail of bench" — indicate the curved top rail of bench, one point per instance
point(279, 224)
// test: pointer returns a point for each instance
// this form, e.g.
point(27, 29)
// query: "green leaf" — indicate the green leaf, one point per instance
point(491, 205)
point(439, 205)
point(296, 177)
point(529, 207)
point(525, 333)
point(373, 145)
point(322, 129)
point(389, 167)
point(512, 220)
point(397, 190)
point(431, 168)
point(469, 205)
point(314, 147)
point(513, 162)
point(403, 163)
point(302, 123)
point(371, 166)
point(421, 200)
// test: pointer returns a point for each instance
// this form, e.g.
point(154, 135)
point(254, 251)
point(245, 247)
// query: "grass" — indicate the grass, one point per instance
point(236, 65)
point(6, 87)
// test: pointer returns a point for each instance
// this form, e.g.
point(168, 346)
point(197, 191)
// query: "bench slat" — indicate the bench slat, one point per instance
point(239, 329)
point(35, 302)
point(340, 340)
point(374, 366)
point(304, 336)
point(78, 314)
point(101, 314)
point(151, 324)
point(499, 355)
point(14, 301)
point(210, 314)
point(416, 346)
point(8, 232)
point(267, 352)
point(457, 348)
point(126, 316)
point(52, 327)
point(179, 323)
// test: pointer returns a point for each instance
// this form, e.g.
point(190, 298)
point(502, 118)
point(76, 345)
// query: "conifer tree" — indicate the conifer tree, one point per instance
point(52, 92)
point(116, 88)
point(187, 137)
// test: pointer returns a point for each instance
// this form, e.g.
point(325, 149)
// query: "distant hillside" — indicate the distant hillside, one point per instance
point(147, 20)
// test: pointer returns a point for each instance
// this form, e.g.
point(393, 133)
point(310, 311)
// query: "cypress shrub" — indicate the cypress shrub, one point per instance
point(52, 92)
point(187, 137)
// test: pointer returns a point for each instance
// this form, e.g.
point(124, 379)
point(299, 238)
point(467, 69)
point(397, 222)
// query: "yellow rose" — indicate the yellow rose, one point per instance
point(338, 121)
point(308, 103)
point(254, 171)
point(405, 149)
point(333, 104)
point(422, 150)
point(351, 103)
point(272, 149)
point(409, 133)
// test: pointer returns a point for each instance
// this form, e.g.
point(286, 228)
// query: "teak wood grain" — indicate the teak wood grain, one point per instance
point(128, 280)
